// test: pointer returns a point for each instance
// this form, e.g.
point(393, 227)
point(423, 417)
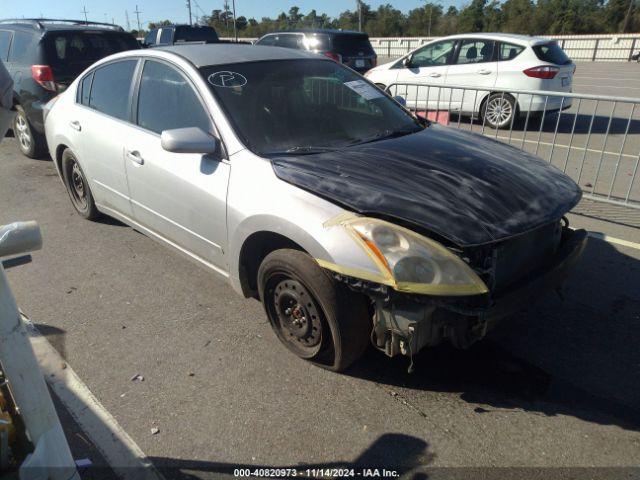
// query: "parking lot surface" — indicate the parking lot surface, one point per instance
point(558, 386)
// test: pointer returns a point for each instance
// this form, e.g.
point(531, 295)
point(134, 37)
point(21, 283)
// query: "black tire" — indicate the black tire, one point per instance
point(78, 187)
point(499, 110)
point(31, 143)
point(314, 316)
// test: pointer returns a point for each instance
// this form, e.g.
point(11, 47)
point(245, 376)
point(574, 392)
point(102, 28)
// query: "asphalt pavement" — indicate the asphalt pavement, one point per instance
point(558, 386)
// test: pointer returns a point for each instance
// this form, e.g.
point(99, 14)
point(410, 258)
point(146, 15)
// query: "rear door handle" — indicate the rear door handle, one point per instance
point(435, 74)
point(135, 157)
point(484, 72)
point(75, 125)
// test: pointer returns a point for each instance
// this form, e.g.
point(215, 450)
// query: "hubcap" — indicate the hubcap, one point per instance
point(498, 111)
point(22, 132)
point(295, 316)
point(77, 187)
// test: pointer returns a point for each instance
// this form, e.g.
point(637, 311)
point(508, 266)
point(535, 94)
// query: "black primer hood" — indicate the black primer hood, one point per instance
point(464, 187)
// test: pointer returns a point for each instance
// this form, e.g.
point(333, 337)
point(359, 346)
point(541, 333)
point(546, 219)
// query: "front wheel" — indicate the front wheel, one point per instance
point(314, 316)
point(499, 110)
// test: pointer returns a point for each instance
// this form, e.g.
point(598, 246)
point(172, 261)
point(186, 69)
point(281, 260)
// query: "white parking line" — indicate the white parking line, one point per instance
point(122, 454)
point(617, 241)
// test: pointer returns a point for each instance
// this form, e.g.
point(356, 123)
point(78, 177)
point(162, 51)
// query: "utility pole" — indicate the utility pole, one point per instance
point(430, 12)
point(189, 8)
point(359, 15)
point(226, 17)
point(138, 12)
point(627, 17)
point(84, 10)
point(126, 15)
point(235, 30)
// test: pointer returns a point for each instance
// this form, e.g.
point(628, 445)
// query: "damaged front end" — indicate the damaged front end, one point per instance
point(425, 293)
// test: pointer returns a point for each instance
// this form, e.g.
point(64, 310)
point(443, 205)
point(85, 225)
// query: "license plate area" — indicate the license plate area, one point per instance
point(359, 63)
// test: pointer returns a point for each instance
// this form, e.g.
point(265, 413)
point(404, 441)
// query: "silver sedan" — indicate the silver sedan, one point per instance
point(309, 188)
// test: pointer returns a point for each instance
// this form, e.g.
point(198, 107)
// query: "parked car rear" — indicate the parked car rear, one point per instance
point(180, 34)
point(352, 49)
point(482, 61)
point(43, 57)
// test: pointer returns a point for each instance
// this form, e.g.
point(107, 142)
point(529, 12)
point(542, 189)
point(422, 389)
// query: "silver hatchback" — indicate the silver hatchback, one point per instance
point(309, 188)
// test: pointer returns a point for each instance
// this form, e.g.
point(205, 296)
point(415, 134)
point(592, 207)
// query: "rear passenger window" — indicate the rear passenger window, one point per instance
point(85, 89)
point(5, 39)
point(509, 51)
point(150, 39)
point(288, 41)
point(268, 40)
point(110, 88)
point(20, 46)
point(165, 35)
point(166, 100)
point(475, 51)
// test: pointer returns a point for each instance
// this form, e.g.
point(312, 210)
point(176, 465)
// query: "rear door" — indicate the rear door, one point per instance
point(179, 196)
point(103, 119)
point(355, 51)
point(70, 52)
point(475, 65)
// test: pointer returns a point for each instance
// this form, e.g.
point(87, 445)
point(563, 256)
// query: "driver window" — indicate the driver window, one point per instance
point(433, 54)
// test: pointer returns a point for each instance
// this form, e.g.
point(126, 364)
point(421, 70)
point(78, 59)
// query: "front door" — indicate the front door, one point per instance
point(425, 72)
point(181, 197)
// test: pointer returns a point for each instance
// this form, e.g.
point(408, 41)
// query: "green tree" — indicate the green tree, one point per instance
point(471, 17)
point(517, 15)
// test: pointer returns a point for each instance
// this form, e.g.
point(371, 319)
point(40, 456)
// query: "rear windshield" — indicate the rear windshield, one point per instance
point(552, 53)
point(77, 50)
point(352, 45)
point(199, 34)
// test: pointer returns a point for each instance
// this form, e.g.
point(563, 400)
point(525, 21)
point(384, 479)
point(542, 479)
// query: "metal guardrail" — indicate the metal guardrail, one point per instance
point(592, 138)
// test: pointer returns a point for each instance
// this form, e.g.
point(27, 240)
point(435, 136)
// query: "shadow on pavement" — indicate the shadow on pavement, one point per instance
point(393, 451)
point(576, 357)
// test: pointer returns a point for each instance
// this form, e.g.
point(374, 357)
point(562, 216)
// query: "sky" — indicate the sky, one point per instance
point(176, 10)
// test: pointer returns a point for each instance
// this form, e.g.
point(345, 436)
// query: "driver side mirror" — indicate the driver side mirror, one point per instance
point(406, 61)
point(189, 140)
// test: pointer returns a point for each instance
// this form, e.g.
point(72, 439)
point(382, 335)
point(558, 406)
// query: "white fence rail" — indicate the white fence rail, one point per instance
point(587, 48)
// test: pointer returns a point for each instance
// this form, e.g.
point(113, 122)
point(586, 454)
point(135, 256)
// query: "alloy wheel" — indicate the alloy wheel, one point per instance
point(23, 132)
point(498, 111)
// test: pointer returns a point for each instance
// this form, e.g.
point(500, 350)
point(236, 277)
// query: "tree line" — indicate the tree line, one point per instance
point(542, 17)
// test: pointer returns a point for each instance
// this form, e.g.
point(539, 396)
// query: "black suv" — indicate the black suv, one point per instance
point(43, 57)
point(179, 34)
point(351, 48)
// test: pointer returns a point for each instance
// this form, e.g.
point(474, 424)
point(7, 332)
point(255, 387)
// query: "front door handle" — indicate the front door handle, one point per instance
point(135, 157)
point(75, 125)
point(435, 74)
point(484, 72)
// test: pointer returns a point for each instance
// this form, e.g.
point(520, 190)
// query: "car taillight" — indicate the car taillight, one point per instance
point(43, 75)
point(547, 72)
point(333, 56)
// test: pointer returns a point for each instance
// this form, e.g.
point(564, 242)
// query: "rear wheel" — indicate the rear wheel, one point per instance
point(314, 316)
point(31, 143)
point(499, 110)
point(78, 186)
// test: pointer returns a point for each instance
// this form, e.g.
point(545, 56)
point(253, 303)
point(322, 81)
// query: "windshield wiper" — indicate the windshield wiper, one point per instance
point(385, 135)
point(303, 150)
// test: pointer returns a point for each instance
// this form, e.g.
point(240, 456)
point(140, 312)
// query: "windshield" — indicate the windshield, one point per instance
point(304, 106)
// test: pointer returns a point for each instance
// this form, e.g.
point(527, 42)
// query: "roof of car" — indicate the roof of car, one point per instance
point(327, 31)
point(524, 39)
point(46, 24)
point(217, 54)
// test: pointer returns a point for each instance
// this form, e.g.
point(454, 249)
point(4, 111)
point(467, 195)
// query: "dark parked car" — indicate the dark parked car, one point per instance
point(179, 34)
point(350, 48)
point(43, 57)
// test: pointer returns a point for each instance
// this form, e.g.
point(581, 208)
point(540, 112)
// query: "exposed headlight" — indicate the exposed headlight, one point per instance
point(412, 263)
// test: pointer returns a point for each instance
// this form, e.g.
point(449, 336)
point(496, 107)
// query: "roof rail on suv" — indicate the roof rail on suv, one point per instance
point(39, 23)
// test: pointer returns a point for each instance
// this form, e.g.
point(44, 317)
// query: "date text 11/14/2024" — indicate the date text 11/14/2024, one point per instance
point(315, 473)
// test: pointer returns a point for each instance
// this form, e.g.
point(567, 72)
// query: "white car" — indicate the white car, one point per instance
point(483, 62)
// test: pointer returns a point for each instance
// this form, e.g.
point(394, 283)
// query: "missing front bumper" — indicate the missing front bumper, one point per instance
point(406, 324)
